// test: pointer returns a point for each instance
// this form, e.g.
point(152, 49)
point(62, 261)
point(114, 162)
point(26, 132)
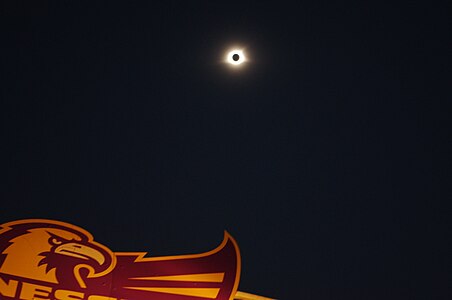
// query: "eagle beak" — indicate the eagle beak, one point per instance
point(81, 251)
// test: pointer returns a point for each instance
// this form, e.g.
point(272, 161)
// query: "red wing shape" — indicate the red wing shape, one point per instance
point(213, 275)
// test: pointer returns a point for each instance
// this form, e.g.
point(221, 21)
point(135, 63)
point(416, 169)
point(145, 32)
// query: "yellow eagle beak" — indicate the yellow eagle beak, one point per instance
point(81, 251)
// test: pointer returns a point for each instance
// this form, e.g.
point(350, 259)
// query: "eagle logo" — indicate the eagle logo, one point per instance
point(47, 259)
point(53, 252)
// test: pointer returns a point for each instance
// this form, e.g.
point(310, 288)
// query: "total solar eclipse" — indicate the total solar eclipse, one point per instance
point(235, 57)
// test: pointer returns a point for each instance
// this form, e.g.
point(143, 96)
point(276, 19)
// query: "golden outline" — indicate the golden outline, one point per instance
point(248, 296)
point(140, 257)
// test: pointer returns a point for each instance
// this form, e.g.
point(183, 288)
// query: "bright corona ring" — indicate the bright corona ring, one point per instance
point(235, 57)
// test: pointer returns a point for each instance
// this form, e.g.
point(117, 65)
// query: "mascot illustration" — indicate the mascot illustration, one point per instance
point(52, 260)
point(52, 252)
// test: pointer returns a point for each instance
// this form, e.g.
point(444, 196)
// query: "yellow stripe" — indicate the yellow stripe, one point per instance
point(210, 293)
point(206, 277)
point(247, 296)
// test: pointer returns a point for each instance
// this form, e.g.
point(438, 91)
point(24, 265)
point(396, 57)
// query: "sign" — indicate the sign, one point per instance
point(52, 260)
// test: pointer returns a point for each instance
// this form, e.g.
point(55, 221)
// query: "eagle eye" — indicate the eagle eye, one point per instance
point(55, 241)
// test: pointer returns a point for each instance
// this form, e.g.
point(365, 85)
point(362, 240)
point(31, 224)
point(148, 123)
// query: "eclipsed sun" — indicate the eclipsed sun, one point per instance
point(235, 57)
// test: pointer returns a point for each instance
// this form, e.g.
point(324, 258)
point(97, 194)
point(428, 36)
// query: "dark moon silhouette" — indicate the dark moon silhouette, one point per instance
point(235, 57)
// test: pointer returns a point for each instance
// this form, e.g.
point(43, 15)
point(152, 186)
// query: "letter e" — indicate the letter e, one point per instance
point(35, 292)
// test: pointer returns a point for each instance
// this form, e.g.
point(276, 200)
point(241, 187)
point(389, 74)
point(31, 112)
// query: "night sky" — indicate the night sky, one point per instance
point(325, 157)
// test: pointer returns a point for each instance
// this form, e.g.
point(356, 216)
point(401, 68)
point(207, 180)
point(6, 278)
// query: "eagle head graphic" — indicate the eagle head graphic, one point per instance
point(52, 251)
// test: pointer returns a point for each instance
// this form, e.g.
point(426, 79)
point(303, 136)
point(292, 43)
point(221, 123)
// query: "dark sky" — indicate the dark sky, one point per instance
point(325, 157)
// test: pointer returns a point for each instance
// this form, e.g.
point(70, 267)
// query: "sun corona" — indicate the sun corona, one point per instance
point(235, 57)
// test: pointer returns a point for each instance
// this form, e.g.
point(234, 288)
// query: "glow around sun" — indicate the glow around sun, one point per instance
point(235, 57)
